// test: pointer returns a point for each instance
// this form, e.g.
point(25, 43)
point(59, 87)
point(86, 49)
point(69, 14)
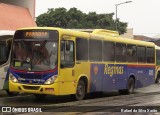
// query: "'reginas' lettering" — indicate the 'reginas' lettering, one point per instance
point(113, 70)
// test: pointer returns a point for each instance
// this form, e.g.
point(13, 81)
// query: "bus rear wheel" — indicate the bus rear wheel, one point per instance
point(80, 92)
point(130, 87)
point(158, 78)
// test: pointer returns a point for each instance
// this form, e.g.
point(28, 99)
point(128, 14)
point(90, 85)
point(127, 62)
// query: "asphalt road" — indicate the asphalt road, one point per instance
point(145, 100)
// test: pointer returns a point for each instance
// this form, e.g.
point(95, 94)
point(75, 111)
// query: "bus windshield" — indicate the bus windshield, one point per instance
point(34, 54)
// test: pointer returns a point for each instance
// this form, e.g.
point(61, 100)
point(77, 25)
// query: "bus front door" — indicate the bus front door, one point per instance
point(66, 80)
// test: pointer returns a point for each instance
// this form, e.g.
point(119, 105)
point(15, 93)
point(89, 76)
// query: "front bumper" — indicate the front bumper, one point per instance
point(36, 89)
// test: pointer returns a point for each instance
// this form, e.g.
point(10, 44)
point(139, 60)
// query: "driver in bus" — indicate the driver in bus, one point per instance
point(40, 52)
point(44, 54)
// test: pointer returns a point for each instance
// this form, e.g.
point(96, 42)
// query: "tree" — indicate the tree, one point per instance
point(74, 18)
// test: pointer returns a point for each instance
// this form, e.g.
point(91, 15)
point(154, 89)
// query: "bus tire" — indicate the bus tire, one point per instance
point(131, 86)
point(80, 91)
point(40, 96)
point(158, 80)
point(11, 93)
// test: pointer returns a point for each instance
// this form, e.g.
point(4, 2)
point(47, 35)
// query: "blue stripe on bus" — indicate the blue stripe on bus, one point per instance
point(106, 77)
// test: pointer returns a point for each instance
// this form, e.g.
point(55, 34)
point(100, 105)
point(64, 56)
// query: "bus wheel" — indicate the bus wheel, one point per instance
point(40, 96)
point(11, 93)
point(131, 86)
point(80, 92)
point(158, 80)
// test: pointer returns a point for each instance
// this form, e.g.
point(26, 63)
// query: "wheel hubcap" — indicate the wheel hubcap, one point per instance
point(131, 87)
point(80, 90)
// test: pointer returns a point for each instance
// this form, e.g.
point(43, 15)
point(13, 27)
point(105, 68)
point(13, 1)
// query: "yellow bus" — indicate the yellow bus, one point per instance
point(56, 61)
point(157, 64)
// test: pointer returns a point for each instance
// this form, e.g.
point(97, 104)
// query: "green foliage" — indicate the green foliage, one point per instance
point(76, 19)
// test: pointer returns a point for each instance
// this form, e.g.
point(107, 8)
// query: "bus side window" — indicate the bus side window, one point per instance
point(3, 53)
point(141, 53)
point(150, 55)
point(67, 53)
point(131, 53)
point(120, 52)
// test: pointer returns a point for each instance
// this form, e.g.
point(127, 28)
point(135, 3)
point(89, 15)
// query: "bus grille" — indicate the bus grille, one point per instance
point(31, 87)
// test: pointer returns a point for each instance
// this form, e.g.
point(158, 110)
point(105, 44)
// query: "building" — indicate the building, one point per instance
point(128, 34)
point(143, 38)
point(16, 14)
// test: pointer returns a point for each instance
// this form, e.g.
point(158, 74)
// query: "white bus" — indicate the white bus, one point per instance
point(5, 48)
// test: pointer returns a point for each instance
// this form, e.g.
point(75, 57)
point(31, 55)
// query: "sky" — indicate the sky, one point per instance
point(141, 15)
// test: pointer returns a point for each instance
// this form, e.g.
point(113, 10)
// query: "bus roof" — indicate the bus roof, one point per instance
point(94, 35)
point(100, 31)
point(106, 32)
point(157, 47)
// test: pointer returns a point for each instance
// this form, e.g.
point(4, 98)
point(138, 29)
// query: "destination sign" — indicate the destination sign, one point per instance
point(37, 34)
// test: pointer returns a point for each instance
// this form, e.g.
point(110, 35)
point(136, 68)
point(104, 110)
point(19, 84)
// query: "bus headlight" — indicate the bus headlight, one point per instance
point(50, 80)
point(13, 79)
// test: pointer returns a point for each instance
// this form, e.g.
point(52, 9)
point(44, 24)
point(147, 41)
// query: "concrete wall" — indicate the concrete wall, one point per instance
point(30, 4)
